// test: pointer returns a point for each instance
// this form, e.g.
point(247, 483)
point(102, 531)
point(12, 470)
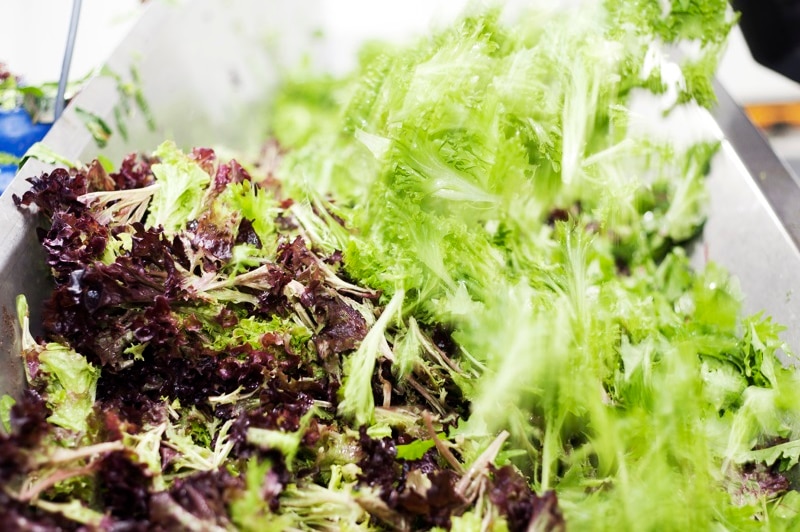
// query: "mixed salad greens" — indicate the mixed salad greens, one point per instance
point(450, 293)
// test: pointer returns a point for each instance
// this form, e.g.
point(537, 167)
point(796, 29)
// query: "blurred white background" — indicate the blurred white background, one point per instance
point(34, 35)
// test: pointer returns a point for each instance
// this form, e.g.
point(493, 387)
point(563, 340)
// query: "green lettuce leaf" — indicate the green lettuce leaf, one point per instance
point(181, 187)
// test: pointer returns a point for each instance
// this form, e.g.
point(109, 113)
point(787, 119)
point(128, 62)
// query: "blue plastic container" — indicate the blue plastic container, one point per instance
point(17, 134)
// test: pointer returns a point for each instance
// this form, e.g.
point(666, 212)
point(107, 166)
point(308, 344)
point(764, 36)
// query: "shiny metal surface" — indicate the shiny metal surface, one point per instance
point(65, 65)
point(753, 227)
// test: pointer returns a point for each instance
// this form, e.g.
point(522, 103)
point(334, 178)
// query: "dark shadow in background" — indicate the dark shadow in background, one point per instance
point(772, 31)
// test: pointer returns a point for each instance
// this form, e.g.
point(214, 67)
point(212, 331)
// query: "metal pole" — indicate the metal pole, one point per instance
point(62, 82)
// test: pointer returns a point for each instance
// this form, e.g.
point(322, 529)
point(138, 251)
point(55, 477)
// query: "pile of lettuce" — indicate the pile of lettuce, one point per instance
point(450, 293)
point(193, 377)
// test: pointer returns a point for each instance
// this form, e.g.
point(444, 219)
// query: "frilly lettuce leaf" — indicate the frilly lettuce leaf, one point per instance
point(181, 186)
